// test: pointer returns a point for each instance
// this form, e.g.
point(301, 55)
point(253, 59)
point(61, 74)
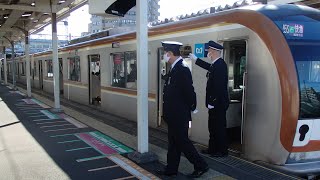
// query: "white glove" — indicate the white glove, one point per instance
point(195, 111)
point(193, 57)
point(210, 107)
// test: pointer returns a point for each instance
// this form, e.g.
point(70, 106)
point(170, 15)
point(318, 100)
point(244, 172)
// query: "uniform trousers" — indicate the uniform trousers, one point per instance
point(217, 129)
point(179, 142)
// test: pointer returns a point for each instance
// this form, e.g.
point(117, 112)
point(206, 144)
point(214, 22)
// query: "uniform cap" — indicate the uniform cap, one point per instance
point(171, 45)
point(213, 45)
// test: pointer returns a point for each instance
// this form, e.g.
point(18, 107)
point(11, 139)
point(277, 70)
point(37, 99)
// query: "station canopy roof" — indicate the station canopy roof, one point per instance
point(31, 16)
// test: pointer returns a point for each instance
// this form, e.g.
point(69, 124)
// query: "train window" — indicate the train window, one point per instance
point(235, 55)
point(49, 68)
point(74, 68)
point(60, 66)
point(118, 75)
point(307, 59)
point(25, 65)
point(34, 68)
point(185, 51)
point(8, 68)
point(23, 68)
point(124, 70)
point(131, 69)
point(17, 68)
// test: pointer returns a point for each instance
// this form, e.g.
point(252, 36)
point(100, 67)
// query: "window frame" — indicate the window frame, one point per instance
point(75, 58)
point(234, 95)
point(49, 63)
point(124, 66)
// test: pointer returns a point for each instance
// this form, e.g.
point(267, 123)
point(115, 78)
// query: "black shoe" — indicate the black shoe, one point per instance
point(219, 154)
point(206, 151)
point(166, 173)
point(198, 173)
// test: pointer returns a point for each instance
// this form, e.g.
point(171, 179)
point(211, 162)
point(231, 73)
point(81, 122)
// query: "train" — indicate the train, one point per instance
point(273, 58)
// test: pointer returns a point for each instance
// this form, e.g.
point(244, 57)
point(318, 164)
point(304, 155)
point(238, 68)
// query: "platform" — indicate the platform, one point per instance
point(36, 143)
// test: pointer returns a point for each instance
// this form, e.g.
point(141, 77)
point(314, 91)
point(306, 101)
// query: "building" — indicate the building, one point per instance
point(42, 41)
point(36, 45)
point(123, 24)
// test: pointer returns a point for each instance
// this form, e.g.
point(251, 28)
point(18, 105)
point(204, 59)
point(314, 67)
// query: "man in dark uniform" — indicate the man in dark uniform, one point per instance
point(217, 98)
point(179, 99)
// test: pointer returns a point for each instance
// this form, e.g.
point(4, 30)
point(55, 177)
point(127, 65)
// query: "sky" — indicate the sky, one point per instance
point(79, 19)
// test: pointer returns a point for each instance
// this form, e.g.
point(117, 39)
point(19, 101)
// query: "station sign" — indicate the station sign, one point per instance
point(115, 44)
point(199, 50)
point(117, 59)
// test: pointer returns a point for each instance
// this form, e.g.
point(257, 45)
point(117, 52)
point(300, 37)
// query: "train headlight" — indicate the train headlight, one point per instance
point(298, 156)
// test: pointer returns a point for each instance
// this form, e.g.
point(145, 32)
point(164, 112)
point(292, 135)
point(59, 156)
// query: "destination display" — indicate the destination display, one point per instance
point(300, 30)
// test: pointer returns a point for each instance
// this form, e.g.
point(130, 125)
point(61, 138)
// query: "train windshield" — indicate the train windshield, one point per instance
point(303, 36)
point(307, 60)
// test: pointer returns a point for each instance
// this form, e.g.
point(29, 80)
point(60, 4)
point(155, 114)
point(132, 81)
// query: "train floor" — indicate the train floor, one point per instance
point(231, 167)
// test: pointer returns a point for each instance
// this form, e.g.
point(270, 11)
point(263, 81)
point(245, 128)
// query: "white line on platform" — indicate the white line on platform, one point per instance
point(102, 168)
point(27, 109)
point(129, 177)
point(33, 113)
point(37, 116)
point(92, 158)
point(29, 105)
point(30, 110)
point(52, 122)
point(63, 142)
point(43, 120)
point(20, 107)
point(60, 129)
point(126, 166)
point(57, 125)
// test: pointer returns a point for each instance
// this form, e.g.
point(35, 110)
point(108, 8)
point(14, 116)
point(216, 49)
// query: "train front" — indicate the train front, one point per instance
point(301, 29)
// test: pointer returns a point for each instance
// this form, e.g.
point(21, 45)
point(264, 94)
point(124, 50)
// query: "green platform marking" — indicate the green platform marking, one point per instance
point(49, 114)
point(121, 148)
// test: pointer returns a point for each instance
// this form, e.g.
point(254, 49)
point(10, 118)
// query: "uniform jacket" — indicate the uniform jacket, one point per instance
point(217, 83)
point(179, 98)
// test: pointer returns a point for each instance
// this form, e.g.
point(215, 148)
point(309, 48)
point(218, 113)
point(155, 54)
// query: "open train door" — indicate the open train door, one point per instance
point(235, 55)
point(61, 84)
point(163, 69)
point(40, 75)
point(94, 66)
point(34, 69)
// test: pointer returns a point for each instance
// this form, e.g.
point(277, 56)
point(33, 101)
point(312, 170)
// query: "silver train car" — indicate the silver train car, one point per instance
point(273, 58)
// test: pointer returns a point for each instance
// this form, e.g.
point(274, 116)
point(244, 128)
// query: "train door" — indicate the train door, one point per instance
point(94, 79)
point(235, 55)
point(2, 70)
point(61, 75)
point(40, 75)
point(163, 69)
point(34, 72)
point(17, 71)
